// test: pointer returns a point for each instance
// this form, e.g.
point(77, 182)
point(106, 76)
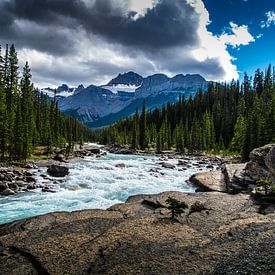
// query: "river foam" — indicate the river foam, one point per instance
point(98, 183)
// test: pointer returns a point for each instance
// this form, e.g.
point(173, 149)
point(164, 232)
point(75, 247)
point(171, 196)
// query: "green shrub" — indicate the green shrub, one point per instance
point(177, 207)
point(197, 207)
point(266, 185)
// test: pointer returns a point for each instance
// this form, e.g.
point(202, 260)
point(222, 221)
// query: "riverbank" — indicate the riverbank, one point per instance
point(228, 237)
point(230, 234)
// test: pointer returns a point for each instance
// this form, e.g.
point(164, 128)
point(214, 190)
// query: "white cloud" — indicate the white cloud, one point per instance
point(270, 20)
point(141, 6)
point(240, 36)
point(212, 46)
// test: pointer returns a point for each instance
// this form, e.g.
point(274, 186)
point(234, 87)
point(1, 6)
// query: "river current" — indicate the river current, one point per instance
point(99, 183)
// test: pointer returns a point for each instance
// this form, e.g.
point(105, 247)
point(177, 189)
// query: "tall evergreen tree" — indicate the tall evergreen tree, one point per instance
point(27, 111)
point(135, 130)
point(3, 110)
point(142, 140)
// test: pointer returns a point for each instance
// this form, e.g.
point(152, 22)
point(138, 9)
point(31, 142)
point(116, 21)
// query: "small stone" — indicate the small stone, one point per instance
point(168, 165)
point(30, 179)
point(28, 174)
point(59, 157)
point(31, 186)
point(3, 186)
point(8, 192)
point(47, 189)
point(120, 165)
point(20, 183)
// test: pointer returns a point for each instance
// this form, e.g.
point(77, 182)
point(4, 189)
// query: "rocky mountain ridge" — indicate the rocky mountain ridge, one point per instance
point(99, 106)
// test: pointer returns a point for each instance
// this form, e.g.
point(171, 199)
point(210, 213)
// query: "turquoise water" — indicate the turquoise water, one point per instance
point(97, 183)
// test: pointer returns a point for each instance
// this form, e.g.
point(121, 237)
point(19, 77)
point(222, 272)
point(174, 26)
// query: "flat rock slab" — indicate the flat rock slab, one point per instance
point(209, 181)
point(136, 238)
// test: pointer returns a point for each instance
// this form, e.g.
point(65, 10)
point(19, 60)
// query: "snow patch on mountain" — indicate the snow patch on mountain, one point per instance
point(62, 91)
point(116, 88)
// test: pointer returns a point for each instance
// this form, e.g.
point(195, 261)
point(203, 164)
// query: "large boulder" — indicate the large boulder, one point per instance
point(234, 177)
point(58, 171)
point(259, 154)
point(209, 181)
point(256, 168)
point(270, 162)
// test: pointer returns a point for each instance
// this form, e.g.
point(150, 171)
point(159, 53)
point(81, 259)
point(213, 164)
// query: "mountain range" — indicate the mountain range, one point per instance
point(98, 106)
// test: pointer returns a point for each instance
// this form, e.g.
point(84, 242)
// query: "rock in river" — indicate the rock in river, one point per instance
point(60, 157)
point(168, 165)
point(58, 171)
point(8, 192)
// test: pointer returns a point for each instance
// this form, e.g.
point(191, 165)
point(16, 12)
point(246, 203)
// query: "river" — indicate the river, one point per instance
point(99, 183)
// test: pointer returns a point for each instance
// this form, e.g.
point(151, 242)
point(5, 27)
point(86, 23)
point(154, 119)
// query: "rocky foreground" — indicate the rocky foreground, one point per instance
point(137, 237)
point(232, 234)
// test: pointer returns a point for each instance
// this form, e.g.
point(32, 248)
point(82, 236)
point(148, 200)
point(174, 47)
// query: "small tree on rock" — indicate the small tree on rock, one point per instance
point(265, 184)
point(177, 207)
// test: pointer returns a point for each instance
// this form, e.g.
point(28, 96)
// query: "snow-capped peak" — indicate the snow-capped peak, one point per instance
point(121, 88)
point(61, 91)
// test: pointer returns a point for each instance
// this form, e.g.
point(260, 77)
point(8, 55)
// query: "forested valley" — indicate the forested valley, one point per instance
point(228, 117)
point(29, 118)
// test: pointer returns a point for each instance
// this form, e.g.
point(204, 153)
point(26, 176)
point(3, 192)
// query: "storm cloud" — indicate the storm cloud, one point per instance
point(170, 23)
point(92, 40)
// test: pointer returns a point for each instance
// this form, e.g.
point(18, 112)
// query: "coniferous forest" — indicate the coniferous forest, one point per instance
point(228, 116)
point(29, 118)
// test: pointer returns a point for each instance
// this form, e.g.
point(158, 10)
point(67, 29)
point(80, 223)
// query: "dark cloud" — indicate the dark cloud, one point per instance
point(180, 60)
point(170, 23)
point(81, 41)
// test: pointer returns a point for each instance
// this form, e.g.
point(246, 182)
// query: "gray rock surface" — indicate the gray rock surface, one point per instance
point(256, 168)
point(7, 192)
point(14, 180)
point(270, 162)
point(168, 165)
point(234, 177)
point(209, 181)
point(58, 171)
point(137, 237)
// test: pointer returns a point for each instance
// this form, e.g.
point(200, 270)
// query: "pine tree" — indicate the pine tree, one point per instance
point(27, 111)
point(18, 139)
point(158, 143)
point(142, 141)
point(135, 130)
point(237, 142)
point(179, 138)
point(3, 110)
point(11, 95)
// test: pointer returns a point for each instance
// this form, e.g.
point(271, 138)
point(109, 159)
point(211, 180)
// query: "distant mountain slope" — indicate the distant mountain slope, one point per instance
point(99, 106)
point(62, 91)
